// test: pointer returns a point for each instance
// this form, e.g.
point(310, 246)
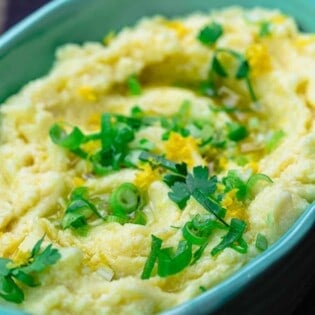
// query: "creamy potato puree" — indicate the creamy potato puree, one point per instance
point(100, 273)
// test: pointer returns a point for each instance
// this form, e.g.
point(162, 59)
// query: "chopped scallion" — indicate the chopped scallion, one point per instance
point(125, 199)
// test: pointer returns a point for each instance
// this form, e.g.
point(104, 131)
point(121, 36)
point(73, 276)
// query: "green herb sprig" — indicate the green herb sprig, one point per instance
point(11, 275)
point(79, 210)
point(185, 185)
point(209, 36)
point(116, 134)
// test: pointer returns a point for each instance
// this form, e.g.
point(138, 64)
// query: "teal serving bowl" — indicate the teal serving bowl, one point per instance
point(273, 282)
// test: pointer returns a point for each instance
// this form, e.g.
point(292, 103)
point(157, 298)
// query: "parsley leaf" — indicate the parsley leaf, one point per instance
point(180, 194)
point(199, 179)
point(37, 262)
point(185, 185)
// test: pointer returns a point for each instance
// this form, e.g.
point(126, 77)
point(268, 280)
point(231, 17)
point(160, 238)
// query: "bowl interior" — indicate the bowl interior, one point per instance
point(27, 52)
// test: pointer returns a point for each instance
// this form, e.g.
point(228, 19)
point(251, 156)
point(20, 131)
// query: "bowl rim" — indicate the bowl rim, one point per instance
point(226, 289)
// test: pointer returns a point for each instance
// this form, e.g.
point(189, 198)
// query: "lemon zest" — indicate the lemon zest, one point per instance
point(94, 120)
point(180, 149)
point(91, 146)
point(146, 176)
point(87, 93)
point(278, 19)
point(259, 59)
point(78, 181)
point(178, 27)
point(235, 209)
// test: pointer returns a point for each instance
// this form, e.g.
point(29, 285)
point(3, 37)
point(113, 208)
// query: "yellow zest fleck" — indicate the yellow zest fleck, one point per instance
point(109, 38)
point(11, 247)
point(94, 121)
point(146, 177)
point(235, 209)
point(61, 85)
point(304, 41)
point(259, 59)
point(278, 19)
point(78, 181)
point(220, 187)
point(94, 261)
point(223, 163)
point(87, 93)
point(180, 149)
point(91, 146)
point(177, 26)
point(253, 166)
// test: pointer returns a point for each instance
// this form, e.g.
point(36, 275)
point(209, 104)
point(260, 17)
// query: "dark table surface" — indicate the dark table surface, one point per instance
point(15, 10)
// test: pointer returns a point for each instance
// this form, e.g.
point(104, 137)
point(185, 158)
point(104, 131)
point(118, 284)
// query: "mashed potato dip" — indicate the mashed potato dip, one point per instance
point(144, 170)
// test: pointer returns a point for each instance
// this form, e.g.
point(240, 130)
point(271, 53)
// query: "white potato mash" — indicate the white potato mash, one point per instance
point(230, 94)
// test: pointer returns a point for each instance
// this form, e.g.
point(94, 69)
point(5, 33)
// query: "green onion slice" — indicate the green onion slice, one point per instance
point(191, 235)
point(253, 180)
point(169, 264)
point(156, 244)
point(233, 238)
point(125, 199)
point(71, 141)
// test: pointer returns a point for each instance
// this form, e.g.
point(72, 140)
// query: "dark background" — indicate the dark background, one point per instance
point(305, 298)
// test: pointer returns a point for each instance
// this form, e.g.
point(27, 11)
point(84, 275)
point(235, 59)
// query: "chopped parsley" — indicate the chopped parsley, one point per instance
point(11, 275)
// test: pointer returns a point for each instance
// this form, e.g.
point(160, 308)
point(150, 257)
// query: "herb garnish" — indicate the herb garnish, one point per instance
point(264, 29)
point(261, 242)
point(116, 134)
point(79, 210)
point(185, 185)
point(124, 206)
point(210, 33)
point(134, 85)
point(11, 275)
point(244, 189)
point(208, 36)
point(242, 71)
point(274, 140)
